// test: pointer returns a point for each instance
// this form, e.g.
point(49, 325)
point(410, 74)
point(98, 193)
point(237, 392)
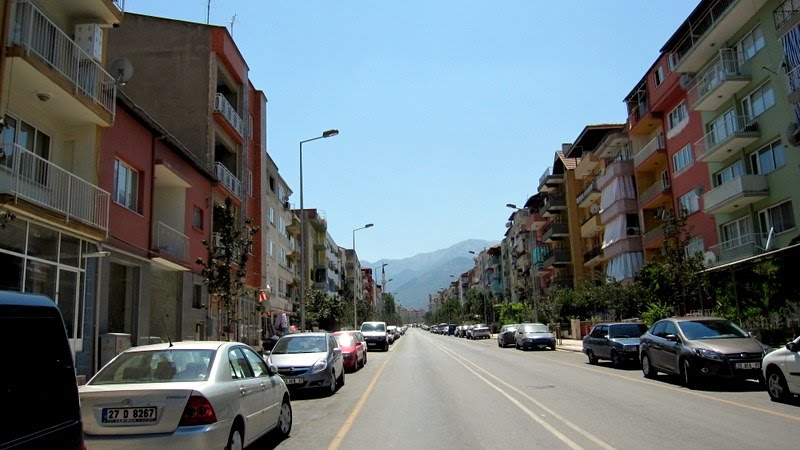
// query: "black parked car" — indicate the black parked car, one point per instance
point(695, 347)
point(506, 335)
point(618, 342)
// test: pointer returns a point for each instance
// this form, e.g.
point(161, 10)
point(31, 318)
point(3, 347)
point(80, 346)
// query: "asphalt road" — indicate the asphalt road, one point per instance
point(433, 391)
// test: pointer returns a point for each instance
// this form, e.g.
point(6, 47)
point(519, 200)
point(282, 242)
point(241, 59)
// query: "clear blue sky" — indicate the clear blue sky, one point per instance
point(447, 109)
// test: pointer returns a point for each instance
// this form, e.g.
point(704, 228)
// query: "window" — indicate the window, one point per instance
point(282, 226)
point(282, 195)
point(197, 218)
point(689, 203)
point(677, 116)
point(282, 258)
point(271, 249)
point(721, 127)
point(683, 158)
point(271, 183)
point(126, 185)
point(197, 296)
point(736, 233)
point(778, 218)
point(750, 44)
point(271, 216)
point(759, 101)
point(767, 159)
point(659, 75)
point(695, 245)
point(729, 173)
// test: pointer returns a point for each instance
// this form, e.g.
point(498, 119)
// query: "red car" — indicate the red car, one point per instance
point(354, 349)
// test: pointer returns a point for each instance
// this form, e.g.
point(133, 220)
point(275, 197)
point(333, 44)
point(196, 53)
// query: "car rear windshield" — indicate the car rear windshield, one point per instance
point(373, 327)
point(536, 329)
point(711, 329)
point(344, 339)
point(627, 330)
point(300, 344)
point(157, 366)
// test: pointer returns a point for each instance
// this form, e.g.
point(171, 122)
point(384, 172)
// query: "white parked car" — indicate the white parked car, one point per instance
point(782, 372)
point(198, 395)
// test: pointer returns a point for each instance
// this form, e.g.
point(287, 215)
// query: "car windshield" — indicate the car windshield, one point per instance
point(481, 325)
point(536, 329)
point(345, 339)
point(373, 327)
point(156, 366)
point(300, 344)
point(711, 329)
point(627, 330)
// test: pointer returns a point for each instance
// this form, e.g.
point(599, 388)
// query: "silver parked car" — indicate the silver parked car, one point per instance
point(534, 335)
point(309, 361)
point(199, 395)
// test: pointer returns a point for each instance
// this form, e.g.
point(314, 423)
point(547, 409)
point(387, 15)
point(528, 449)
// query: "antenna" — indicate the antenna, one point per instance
point(709, 258)
point(122, 70)
point(164, 324)
point(233, 21)
point(208, 12)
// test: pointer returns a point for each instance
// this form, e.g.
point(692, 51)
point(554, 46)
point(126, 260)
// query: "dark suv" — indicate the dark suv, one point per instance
point(618, 342)
point(695, 347)
point(38, 385)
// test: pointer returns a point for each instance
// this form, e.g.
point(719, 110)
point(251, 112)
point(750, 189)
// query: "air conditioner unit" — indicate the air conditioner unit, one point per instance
point(89, 37)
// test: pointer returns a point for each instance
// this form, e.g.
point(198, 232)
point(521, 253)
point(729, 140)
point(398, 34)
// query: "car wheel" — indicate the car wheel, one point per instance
point(365, 359)
point(647, 369)
point(553, 348)
point(592, 358)
point(285, 419)
point(687, 373)
point(340, 383)
point(499, 344)
point(235, 440)
point(516, 345)
point(333, 387)
point(776, 386)
point(616, 361)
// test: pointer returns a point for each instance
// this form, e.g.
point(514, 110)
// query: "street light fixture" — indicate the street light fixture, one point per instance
point(304, 224)
point(355, 255)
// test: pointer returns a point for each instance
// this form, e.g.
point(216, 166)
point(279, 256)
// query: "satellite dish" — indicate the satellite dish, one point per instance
point(685, 80)
point(595, 208)
point(793, 134)
point(122, 70)
point(709, 258)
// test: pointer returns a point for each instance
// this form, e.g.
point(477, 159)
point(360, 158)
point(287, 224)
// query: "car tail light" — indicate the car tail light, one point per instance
point(198, 411)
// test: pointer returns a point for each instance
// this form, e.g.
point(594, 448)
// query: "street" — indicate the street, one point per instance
point(432, 391)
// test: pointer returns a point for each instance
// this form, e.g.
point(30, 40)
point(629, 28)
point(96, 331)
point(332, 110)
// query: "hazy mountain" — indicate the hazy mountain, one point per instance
point(415, 277)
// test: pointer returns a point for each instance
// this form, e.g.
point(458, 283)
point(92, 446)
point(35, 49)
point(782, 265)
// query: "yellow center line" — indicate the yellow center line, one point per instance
point(342, 433)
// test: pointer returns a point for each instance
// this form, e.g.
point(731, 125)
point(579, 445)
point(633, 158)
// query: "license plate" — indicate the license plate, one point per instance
point(750, 365)
point(293, 380)
point(129, 415)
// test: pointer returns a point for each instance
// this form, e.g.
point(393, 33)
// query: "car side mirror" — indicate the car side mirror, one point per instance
point(672, 338)
point(337, 351)
point(792, 347)
point(272, 369)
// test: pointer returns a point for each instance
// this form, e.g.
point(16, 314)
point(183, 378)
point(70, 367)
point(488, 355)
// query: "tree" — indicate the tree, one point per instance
point(225, 268)
point(324, 310)
point(514, 312)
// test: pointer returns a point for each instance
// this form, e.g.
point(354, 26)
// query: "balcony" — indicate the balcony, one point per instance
point(658, 191)
point(555, 231)
point(717, 83)
point(228, 179)
point(223, 107)
point(641, 120)
point(171, 242)
point(786, 17)
point(591, 226)
point(589, 161)
point(619, 206)
point(718, 144)
point(613, 144)
point(29, 180)
point(589, 195)
point(739, 248)
point(793, 83)
point(216, 242)
point(651, 154)
point(714, 25)
point(593, 257)
point(293, 228)
point(558, 257)
point(632, 242)
point(617, 168)
point(549, 181)
point(737, 193)
point(553, 204)
point(559, 282)
point(55, 61)
point(652, 238)
point(536, 221)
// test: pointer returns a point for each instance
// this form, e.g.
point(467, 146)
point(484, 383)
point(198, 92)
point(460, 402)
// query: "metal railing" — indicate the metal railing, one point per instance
point(656, 144)
point(793, 79)
point(30, 177)
point(545, 175)
point(228, 179)
point(662, 185)
point(223, 107)
point(739, 248)
point(591, 188)
point(41, 37)
point(783, 13)
point(171, 241)
point(723, 132)
point(699, 27)
point(120, 4)
point(725, 67)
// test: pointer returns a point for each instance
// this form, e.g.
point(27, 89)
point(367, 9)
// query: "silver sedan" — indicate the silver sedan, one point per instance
point(199, 395)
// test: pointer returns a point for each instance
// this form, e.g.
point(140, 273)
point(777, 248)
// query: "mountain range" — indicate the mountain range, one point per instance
point(414, 278)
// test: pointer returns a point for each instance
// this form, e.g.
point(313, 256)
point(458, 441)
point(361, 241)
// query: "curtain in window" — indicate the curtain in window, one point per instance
point(625, 265)
point(620, 187)
point(615, 230)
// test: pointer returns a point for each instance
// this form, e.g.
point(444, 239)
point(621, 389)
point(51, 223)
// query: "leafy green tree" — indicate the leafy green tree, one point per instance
point(323, 310)
point(226, 266)
point(514, 312)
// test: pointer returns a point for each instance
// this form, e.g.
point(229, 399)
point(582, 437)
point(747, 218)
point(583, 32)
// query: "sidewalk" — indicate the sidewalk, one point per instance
point(571, 345)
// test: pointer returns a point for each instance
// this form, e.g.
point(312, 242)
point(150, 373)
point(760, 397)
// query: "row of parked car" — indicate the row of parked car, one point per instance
point(696, 349)
point(475, 331)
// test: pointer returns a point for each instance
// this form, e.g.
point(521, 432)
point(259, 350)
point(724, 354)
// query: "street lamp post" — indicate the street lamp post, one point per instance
point(355, 259)
point(303, 215)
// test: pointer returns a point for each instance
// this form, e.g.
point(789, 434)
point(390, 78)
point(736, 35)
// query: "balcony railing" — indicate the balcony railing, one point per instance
point(35, 32)
point(784, 12)
point(699, 28)
point(734, 133)
point(555, 230)
point(725, 72)
point(653, 236)
point(590, 191)
point(656, 144)
point(592, 254)
point(172, 241)
point(738, 248)
point(228, 179)
point(223, 107)
point(793, 78)
point(656, 189)
point(120, 4)
point(553, 203)
point(27, 176)
point(740, 191)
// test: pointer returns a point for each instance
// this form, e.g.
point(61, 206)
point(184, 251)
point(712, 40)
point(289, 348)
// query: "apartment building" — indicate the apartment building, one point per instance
point(733, 52)
point(56, 97)
point(192, 79)
point(281, 235)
